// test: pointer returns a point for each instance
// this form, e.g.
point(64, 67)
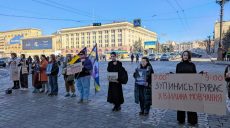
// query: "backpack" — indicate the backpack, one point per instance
point(123, 76)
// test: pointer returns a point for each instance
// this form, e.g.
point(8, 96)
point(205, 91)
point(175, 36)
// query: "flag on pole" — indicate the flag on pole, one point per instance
point(77, 56)
point(93, 56)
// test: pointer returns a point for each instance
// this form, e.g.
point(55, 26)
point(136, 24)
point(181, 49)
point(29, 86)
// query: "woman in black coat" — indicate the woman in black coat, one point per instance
point(227, 79)
point(142, 91)
point(186, 66)
point(115, 93)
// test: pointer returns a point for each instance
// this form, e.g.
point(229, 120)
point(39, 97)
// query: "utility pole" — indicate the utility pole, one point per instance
point(221, 3)
point(209, 44)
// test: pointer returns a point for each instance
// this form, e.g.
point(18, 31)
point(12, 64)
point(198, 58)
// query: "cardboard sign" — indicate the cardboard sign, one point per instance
point(112, 76)
point(190, 92)
point(74, 68)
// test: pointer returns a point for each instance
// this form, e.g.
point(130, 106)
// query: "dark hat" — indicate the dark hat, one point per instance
point(82, 52)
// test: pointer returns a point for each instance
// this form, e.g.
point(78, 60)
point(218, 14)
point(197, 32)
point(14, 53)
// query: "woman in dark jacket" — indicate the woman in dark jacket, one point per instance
point(115, 93)
point(24, 71)
point(53, 76)
point(143, 92)
point(186, 66)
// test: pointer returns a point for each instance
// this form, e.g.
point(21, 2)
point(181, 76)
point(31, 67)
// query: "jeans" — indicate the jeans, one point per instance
point(53, 84)
point(83, 85)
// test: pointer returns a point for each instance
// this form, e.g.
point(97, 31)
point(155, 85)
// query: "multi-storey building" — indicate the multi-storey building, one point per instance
point(109, 37)
point(10, 41)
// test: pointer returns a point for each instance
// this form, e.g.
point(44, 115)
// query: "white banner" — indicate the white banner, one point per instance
point(190, 92)
point(74, 68)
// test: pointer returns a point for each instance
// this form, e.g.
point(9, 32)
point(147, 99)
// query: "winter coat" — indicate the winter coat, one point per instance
point(43, 66)
point(115, 92)
point(14, 70)
point(86, 70)
point(186, 67)
point(147, 89)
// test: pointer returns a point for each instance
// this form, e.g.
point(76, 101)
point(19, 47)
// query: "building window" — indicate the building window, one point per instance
point(106, 31)
point(119, 40)
point(100, 32)
point(119, 30)
point(113, 45)
point(112, 31)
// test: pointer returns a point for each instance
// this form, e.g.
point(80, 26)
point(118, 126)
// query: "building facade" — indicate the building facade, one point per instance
point(225, 28)
point(10, 41)
point(109, 37)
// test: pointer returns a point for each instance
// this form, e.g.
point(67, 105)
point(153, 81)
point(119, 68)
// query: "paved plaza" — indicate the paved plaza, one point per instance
point(23, 109)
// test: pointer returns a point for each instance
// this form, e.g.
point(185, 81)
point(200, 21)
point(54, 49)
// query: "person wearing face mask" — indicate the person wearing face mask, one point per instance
point(115, 93)
point(186, 66)
point(142, 91)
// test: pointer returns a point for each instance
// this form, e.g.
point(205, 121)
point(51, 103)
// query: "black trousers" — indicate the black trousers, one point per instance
point(192, 117)
point(144, 107)
point(228, 87)
point(16, 84)
point(24, 80)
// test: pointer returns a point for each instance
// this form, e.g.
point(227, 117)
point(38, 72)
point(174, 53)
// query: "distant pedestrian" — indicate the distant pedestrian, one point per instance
point(24, 72)
point(53, 76)
point(142, 91)
point(186, 66)
point(132, 58)
point(43, 76)
point(227, 79)
point(69, 79)
point(36, 74)
point(83, 78)
point(14, 73)
point(137, 58)
point(29, 60)
point(115, 92)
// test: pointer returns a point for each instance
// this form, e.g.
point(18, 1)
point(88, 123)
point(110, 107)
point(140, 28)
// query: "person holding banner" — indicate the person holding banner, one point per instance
point(53, 75)
point(83, 78)
point(186, 66)
point(24, 71)
point(142, 91)
point(115, 92)
point(14, 73)
point(36, 74)
point(69, 79)
point(227, 79)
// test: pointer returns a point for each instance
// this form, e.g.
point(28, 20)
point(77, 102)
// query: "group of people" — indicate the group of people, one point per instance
point(45, 80)
point(142, 90)
point(137, 58)
point(45, 72)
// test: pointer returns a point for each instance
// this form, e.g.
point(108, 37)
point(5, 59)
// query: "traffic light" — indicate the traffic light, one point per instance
point(96, 24)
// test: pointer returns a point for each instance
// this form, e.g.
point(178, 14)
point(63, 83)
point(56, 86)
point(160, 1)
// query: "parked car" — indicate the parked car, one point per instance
point(152, 57)
point(2, 63)
point(196, 55)
point(158, 56)
point(164, 57)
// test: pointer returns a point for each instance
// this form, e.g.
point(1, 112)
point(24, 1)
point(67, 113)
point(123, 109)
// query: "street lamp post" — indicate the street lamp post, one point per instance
point(221, 3)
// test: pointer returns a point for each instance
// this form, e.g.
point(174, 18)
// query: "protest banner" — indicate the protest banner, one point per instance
point(190, 92)
point(74, 68)
point(141, 78)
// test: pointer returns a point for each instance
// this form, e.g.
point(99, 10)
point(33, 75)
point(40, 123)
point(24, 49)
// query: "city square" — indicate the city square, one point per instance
point(23, 109)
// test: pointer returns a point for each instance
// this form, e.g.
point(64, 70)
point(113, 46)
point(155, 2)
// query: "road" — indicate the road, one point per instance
point(23, 109)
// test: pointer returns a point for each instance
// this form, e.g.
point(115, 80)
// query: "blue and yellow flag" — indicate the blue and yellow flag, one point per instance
point(77, 57)
point(93, 56)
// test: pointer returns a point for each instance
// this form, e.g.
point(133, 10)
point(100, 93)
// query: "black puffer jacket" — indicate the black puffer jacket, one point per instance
point(186, 67)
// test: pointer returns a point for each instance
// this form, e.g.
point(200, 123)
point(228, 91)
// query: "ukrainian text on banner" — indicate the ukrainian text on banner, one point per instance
point(74, 68)
point(189, 92)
